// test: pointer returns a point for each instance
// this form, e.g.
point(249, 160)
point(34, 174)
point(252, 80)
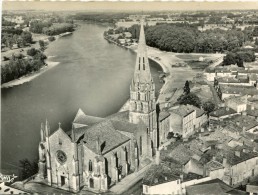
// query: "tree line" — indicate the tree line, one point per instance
point(19, 66)
point(186, 38)
point(11, 36)
point(49, 28)
point(239, 56)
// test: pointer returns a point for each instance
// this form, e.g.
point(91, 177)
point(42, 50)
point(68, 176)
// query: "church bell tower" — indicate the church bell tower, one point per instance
point(142, 91)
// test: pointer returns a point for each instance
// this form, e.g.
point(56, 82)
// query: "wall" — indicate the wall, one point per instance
point(188, 124)
point(193, 167)
point(172, 187)
point(59, 140)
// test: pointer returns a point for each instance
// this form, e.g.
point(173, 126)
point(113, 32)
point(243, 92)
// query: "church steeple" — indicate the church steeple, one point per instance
point(142, 89)
point(142, 70)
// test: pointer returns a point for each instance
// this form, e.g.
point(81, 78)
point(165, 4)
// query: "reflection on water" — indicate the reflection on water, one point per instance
point(93, 75)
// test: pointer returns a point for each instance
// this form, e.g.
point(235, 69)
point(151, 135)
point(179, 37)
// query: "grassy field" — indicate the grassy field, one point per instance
point(198, 65)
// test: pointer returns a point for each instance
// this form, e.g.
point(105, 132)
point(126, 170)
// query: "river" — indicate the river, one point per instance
point(93, 75)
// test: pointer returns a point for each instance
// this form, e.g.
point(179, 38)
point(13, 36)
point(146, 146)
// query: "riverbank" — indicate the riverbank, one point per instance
point(49, 64)
point(31, 76)
point(171, 64)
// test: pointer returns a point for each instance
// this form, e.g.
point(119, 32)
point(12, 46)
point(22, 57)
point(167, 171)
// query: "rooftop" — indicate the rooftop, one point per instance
point(236, 89)
point(214, 187)
point(182, 110)
point(108, 137)
point(158, 174)
point(181, 154)
point(238, 122)
point(163, 115)
point(223, 111)
point(232, 79)
point(82, 118)
point(238, 99)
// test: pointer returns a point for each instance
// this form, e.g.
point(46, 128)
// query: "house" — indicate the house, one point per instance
point(222, 113)
point(252, 187)
point(239, 104)
point(185, 119)
point(225, 91)
point(168, 179)
point(164, 127)
point(182, 120)
point(214, 187)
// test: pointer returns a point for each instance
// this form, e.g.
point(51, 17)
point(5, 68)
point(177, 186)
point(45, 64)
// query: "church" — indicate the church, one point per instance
point(99, 152)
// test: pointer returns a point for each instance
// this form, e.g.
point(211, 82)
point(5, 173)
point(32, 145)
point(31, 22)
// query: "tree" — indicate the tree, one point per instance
point(170, 135)
point(42, 45)
point(26, 37)
point(51, 38)
point(191, 99)
point(32, 51)
point(208, 106)
point(28, 168)
point(187, 88)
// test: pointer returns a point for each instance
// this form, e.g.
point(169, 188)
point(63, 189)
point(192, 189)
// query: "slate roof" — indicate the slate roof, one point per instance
point(223, 111)
point(125, 126)
point(163, 115)
point(108, 137)
point(119, 116)
point(82, 118)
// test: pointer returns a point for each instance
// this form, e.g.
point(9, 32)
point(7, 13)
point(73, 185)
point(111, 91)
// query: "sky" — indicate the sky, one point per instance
point(130, 6)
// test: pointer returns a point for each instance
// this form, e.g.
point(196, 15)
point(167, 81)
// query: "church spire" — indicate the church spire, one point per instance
point(142, 70)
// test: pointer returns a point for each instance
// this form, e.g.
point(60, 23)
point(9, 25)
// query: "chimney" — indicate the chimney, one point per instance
point(225, 163)
point(243, 113)
point(238, 153)
point(244, 130)
point(181, 177)
point(156, 180)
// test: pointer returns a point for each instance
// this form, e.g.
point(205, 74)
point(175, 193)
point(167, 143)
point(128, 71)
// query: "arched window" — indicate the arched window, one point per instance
point(90, 165)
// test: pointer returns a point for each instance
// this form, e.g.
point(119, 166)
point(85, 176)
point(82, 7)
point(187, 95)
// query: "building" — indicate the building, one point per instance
point(99, 152)
point(225, 91)
point(239, 104)
point(214, 186)
point(185, 119)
